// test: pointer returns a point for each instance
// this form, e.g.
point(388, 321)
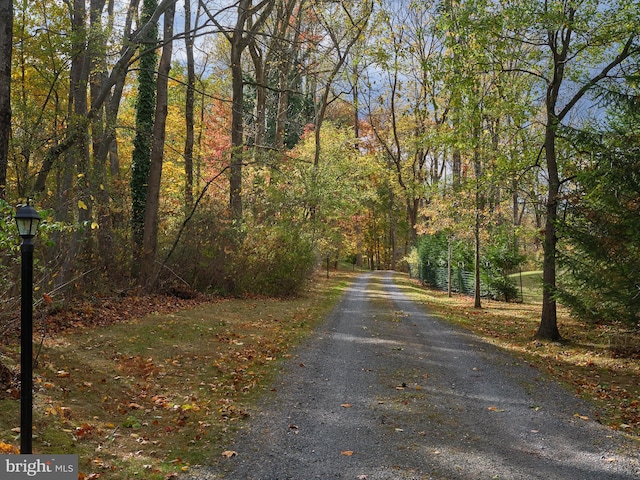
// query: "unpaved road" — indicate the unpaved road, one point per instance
point(385, 391)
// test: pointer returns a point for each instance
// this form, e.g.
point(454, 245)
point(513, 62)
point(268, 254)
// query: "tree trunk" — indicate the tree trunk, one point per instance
point(150, 238)
point(189, 38)
point(142, 142)
point(456, 169)
point(77, 166)
point(449, 287)
point(356, 107)
point(103, 134)
point(559, 43)
point(259, 68)
point(240, 38)
point(238, 44)
point(283, 104)
point(548, 329)
point(237, 133)
point(477, 302)
point(479, 207)
point(6, 50)
point(392, 228)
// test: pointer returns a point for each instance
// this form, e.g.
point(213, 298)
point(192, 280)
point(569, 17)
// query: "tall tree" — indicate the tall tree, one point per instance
point(152, 206)
point(249, 21)
point(343, 24)
point(111, 91)
point(106, 161)
point(76, 171)
point(602, 229)
point(568, 48)
point(274, 57)
point(143, 140)
point(6, 49)
point(189, 107)
point(574, 31)
point(409, 110)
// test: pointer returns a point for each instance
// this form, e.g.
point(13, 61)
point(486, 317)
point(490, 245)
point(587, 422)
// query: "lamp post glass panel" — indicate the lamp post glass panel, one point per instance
point(27, 220)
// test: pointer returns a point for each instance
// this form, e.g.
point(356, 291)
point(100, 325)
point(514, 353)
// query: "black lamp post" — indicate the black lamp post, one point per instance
point(27, 220)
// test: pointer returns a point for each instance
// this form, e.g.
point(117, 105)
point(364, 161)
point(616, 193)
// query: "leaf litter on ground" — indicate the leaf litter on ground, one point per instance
point(149, 386)
point(149, 391)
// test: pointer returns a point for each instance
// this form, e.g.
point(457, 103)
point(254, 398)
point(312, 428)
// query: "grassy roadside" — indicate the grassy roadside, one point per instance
point(585, 361)
point(148, 397)
point(529, 285)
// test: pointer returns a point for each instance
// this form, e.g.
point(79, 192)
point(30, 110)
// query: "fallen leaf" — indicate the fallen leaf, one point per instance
point(581, 417)
point(229, 453)
point(8, 448)
point(495, 409)
point(346, 453)
point(62, 374)
point(346, 405)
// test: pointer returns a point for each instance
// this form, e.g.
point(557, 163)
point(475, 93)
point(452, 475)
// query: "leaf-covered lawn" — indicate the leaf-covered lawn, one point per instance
point(147, 397)
point(599, 362)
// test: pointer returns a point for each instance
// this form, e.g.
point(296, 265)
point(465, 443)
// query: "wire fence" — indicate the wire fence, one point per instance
point(462, 281)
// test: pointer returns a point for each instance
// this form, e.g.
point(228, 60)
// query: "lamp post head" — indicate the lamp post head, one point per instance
point(27, 220)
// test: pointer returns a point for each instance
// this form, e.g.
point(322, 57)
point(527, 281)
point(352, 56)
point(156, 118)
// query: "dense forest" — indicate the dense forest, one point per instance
point(233, 146)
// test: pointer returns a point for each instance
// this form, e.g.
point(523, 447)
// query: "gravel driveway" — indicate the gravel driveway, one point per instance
point(383, 390)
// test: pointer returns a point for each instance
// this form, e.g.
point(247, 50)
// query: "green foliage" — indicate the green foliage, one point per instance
point(502, 258)
point(145, 114)
point(433, 251)
point(9, 242)
point(300, 109)
point(602, 231)
point(201, 257)
point(273, 260)
point(265, 258)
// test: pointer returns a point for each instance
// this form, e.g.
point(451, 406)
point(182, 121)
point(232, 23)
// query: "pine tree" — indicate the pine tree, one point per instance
point(602, 257)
